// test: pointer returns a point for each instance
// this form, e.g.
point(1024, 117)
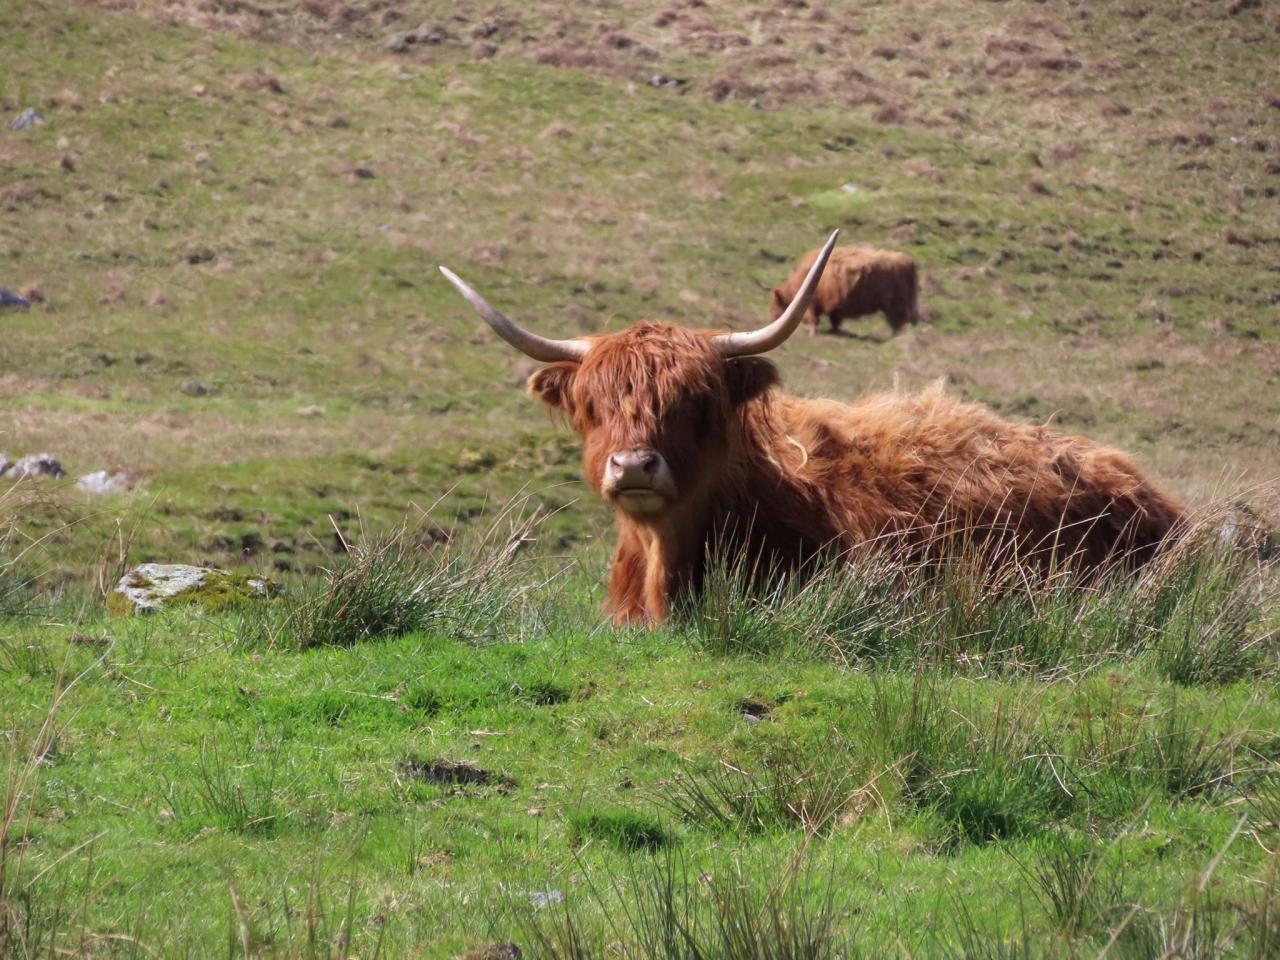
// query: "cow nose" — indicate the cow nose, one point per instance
point(633, 467)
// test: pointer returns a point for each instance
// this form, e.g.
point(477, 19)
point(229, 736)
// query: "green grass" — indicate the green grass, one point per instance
point(433, 744)
point(424, 781)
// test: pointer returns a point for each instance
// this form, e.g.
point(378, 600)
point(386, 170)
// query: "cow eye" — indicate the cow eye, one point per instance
point(696, 412)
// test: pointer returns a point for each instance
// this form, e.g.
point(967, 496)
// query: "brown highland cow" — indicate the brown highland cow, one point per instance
point(858, 282)
point(687, 436)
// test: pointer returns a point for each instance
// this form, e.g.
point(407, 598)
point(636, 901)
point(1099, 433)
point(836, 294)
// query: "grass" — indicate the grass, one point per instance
point(432, 744)
point(331, 796)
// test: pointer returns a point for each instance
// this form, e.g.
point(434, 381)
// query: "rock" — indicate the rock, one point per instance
point(26, 119)
point(313, 410)
point(10, 299)
point(150, 586)
point(667, 83)
point(102, 482)
point(33, 466)
point(194, 388)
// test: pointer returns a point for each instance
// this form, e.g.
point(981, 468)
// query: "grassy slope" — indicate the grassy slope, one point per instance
point(200, 763)
point(587, 201)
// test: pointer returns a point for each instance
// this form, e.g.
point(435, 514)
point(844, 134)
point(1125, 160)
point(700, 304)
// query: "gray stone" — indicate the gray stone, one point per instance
point(26, 119)
point(150, 586)
point(102, 482)
point(194, 388)
point(11, 299)
point(32, 466)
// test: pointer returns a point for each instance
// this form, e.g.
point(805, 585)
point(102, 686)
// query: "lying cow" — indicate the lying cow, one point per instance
point(858, 282)
point(687, 435)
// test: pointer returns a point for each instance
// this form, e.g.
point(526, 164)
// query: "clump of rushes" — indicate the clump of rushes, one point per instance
point(984, 777)
point(1207, 611)
point(626, 830)
point(233, 786)
point(665, 908)
point(813, 794)
point(1201, 613)
point(394, 585)
point(1076, 883)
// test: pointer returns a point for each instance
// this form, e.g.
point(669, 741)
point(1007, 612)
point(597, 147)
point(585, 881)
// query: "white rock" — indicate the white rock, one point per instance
point(102, 482)
point(35, 465)
point(149, 586)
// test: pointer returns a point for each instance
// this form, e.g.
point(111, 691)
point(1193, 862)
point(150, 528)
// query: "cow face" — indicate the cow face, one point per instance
point(657, 406)
point(779, 301)
point(658, 409)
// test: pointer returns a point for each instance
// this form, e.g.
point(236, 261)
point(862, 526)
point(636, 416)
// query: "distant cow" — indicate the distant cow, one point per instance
point(858, 282)
point(686, 435)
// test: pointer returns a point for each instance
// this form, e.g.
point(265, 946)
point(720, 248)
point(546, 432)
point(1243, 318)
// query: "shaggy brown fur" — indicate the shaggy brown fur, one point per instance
point(858, 281)
point(789, 477)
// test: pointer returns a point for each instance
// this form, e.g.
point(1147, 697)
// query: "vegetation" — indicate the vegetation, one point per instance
point(431, 744)
point(575, 789)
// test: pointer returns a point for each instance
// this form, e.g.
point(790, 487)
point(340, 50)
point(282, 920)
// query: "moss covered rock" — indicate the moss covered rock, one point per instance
point(151, 586)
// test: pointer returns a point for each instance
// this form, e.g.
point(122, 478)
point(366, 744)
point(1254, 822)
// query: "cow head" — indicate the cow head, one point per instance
point(781, 299)
point(654, 404)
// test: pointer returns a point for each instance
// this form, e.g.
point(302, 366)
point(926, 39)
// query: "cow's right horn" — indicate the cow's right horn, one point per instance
point(770, 336)
point(539, 348)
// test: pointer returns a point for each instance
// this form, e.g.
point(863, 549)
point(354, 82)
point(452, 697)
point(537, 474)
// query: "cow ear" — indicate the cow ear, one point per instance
point(748, 377)
point(553, 385)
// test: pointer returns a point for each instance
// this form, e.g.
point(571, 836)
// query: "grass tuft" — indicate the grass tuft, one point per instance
point(1075, 884)
point(781, 792)
point(232, 788)
point(394, 585)
point(625, 830)
point(665, 908)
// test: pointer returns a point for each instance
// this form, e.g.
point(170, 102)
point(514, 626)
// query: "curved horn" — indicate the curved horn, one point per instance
point(768, 337)
point(540, 348)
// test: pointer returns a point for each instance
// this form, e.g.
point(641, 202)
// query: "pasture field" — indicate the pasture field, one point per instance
point(229, 223)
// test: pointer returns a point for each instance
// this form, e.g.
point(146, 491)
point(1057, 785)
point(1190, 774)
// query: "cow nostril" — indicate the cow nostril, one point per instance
point(649, 463)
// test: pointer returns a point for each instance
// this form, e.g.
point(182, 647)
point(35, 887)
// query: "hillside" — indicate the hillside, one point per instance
point(229, 223)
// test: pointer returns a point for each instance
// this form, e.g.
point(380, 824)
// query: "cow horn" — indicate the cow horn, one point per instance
point(540, 348)
point(768, 337)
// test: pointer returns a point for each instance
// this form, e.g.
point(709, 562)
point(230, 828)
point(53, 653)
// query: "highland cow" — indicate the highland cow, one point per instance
point(687, 436)
point(858, 282)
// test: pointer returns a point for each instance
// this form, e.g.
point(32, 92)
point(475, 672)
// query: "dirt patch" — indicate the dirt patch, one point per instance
point(453, 773)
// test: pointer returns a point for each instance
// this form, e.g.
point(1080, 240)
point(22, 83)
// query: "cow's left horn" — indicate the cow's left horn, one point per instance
point(768, 337)
point(540, 348)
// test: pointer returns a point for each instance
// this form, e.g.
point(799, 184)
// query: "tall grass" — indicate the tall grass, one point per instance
point(232, 786)
point(813, 792)
point(1078, 886)
point(1204, 612)
point(33, 914)
point(664, 909)
point(17, 549)
point(391, 585)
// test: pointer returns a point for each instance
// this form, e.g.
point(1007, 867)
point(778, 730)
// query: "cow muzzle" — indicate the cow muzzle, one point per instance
point(638, 480)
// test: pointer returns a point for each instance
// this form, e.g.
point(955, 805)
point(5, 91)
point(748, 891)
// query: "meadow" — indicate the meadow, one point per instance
point(434, 744)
